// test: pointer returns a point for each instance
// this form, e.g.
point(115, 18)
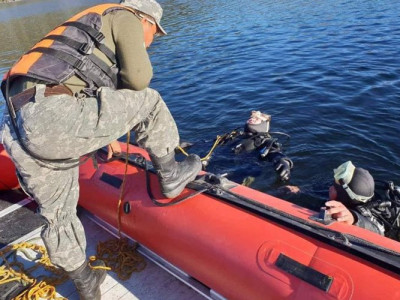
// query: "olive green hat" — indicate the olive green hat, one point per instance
point(148, 7)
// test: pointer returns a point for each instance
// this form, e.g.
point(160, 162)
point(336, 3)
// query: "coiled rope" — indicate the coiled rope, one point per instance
point(15, 271)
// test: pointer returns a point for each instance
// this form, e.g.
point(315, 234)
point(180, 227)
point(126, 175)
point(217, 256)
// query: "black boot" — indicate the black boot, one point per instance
point(173, 175)
point(88, 280)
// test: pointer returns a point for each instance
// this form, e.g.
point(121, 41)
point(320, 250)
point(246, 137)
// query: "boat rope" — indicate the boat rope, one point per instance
point(139, 160)
point(207, 157)
point(117, 253)
point(219, 140)
point(122, 191)
point(121, 257)
point(15, 271)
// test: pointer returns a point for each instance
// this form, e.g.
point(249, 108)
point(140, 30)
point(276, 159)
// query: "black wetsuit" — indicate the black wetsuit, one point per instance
point(268, 148)
point(380, 215)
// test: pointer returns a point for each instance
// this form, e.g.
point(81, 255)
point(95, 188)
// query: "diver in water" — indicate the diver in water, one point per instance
point(357, 199)
point(256, 137)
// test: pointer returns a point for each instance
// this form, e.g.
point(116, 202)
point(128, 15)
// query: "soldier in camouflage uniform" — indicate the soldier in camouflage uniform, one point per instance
point(51, 124)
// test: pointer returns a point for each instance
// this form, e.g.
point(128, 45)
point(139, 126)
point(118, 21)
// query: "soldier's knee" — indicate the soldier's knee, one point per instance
point(153, 93)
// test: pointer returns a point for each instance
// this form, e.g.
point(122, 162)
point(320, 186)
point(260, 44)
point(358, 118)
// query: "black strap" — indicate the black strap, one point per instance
point(84, 48)
point(72, 61)
point(150, 192)
point(104, 67)
point(97, 37)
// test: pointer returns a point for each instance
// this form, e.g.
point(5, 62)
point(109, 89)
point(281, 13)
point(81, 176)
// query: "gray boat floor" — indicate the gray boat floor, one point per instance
point(151, 283)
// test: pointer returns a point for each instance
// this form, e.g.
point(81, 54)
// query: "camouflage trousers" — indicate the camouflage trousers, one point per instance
point(63, 127)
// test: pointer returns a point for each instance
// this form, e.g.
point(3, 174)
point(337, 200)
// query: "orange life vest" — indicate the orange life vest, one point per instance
point(68, 51)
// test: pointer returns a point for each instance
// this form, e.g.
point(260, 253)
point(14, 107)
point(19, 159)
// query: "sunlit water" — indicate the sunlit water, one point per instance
point(327, 71)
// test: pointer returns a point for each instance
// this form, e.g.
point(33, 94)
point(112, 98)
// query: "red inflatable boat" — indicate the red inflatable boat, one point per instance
point(241, 243)
point(8, 179)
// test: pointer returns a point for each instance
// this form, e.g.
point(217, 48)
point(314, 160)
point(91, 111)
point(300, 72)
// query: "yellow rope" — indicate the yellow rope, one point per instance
point(40, 290)
point(182, 150)
point(120, 256)
point(218, 139)
point(43, 289)
point(121, 193)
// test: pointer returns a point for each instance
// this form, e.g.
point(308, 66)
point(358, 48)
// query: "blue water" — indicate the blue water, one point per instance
point(327, 71)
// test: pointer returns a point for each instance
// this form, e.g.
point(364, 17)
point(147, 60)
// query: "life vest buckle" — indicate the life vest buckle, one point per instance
point(79, 64)
point(99, 37)
point(85, 48)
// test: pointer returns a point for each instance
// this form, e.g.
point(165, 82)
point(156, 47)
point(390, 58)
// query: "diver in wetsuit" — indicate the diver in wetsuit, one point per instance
point(257, 137)
point(372, 206)
point(357, 199)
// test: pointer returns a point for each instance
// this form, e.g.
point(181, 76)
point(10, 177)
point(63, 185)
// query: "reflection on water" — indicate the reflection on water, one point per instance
point(23, 23)
point(28, 8)
point(327, 71)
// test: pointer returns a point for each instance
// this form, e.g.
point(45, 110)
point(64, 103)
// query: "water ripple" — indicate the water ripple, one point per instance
point(327, 71)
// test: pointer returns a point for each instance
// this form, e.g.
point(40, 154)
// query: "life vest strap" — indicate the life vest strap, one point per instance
point(97, 37)
point(85, 49)
point(104, 67)
point(73, 61)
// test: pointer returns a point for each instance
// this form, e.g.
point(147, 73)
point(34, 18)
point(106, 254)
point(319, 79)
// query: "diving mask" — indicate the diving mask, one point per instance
point(343, 176)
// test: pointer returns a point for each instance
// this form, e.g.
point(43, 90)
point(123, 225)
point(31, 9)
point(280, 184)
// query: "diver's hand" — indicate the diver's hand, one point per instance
point(289, 189)
point(113, 148)
point(339, 212)
point(283, 166)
